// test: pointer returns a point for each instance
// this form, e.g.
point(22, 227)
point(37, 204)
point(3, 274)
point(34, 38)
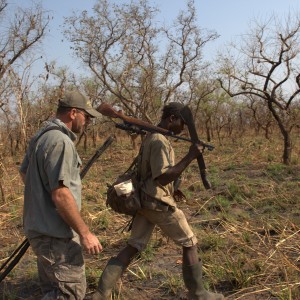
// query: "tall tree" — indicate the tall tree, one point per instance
point(140, 64)
point(265, 66)
point(19, 34)
point(22, 29)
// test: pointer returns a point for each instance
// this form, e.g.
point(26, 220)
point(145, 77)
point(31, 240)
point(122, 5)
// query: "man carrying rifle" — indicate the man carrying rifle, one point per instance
point(158, 174)
point(52, 201)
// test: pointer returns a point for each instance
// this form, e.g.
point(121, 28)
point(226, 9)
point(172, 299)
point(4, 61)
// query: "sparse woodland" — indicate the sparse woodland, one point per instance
point(245, 103)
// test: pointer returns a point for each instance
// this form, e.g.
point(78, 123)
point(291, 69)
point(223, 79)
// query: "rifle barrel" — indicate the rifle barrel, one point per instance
point(139, 126)
point(141, 130)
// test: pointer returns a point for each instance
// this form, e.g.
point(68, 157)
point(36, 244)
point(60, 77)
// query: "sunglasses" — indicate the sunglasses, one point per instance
point(87, 116)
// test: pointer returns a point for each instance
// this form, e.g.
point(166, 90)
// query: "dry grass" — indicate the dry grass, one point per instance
point(248, 226)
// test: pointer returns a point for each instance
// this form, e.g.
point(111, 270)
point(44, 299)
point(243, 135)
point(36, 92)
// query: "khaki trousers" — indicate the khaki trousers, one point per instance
point(172, 222)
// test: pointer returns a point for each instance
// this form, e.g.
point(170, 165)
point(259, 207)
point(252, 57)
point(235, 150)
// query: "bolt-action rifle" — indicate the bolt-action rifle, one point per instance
point(141, 127)
point(20, 251)
point(135, 125)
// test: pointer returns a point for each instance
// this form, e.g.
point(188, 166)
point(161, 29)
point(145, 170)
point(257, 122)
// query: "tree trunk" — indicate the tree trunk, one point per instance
point(207, 128)
point(94, 137)
point(83, 134)
point(287, 150)
point(11, 140)
point(85, 142)
point(2, 193)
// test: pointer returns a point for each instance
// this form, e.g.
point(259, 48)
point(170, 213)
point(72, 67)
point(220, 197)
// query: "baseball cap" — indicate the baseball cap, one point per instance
point(77, 100)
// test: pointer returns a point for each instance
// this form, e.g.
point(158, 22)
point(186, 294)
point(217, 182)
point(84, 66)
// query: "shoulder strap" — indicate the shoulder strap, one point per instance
point(48, 129)
point(34, 142)
point(135, 162)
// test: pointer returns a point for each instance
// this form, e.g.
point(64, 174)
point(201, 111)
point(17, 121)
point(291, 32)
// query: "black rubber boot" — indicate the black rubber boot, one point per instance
point(112, 272)
point(192, 276)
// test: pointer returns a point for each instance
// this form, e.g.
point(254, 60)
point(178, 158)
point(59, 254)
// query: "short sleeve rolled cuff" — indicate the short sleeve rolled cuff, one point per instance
point(60, 163)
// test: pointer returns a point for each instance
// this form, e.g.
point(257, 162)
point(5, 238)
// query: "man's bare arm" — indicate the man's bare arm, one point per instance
point(174, 172)
point(68, 210)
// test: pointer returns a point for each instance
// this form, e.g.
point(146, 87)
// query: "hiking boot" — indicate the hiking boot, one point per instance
point(192, 276)
point(112, 272)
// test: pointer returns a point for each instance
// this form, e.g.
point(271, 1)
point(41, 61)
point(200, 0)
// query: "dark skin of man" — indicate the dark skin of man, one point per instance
point(175, 125)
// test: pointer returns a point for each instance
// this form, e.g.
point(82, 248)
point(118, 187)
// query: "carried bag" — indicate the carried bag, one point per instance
point(123, 196)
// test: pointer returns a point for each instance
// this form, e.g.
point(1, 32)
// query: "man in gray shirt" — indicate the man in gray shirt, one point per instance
point(52, 201)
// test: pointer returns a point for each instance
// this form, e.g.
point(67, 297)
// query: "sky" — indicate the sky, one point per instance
point(229, 18)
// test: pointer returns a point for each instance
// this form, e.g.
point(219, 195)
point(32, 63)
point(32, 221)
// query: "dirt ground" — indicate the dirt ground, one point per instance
point(247, 227)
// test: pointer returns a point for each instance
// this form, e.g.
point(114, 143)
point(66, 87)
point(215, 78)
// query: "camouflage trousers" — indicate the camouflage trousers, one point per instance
point(60, 267)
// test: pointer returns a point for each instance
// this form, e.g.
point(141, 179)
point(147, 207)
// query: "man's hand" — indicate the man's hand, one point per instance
point(91, 244)
point(68, 210)
point(179, 196)
point(195, 150)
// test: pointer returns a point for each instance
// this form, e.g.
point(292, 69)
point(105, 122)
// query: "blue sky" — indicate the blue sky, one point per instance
point(230, 18)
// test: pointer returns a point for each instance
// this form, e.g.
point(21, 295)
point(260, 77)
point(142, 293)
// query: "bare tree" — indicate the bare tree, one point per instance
point(25, 30)
point(21, 30)
point(261, 115)
point(140, 64)
point(218, 113)
point(266, 66)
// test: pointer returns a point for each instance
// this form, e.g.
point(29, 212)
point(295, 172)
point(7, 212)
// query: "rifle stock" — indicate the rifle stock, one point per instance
point(189, 120)
point(107, 110)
